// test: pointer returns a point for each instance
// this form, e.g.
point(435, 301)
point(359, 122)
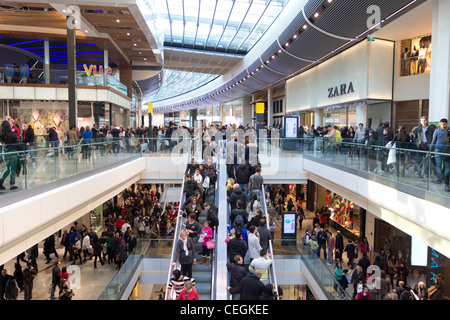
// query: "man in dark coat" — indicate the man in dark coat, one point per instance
point(250, 287)
point(237, 273)
point(237, 194)
point(212, 215)
point(364, 262)
point(350, 249)
point(236, 246)
point(56, 279)
point(339, 246)
point(189, 186)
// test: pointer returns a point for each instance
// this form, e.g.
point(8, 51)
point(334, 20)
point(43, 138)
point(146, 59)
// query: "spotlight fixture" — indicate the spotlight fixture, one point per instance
point(316, 15)
point(305, 26)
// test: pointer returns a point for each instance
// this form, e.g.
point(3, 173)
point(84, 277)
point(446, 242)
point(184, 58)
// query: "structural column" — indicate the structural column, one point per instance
point(440, 62)
point(46, 61)
point(269, 107)
point(105, 67)
point(318, 118)
point(71, 75)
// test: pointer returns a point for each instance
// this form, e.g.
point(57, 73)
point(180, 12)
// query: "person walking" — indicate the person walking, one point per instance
point(97, 248)
point(56, 279)
point(339, 246)
point(10, 143)
point(331, 247)
point(28, 277)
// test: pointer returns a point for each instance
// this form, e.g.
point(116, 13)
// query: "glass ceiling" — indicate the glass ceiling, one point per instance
point(232, 26)
point(175, 82)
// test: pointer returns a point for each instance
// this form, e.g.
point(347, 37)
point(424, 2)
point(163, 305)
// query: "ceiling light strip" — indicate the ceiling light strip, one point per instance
point(292, 55)
point(323, 31)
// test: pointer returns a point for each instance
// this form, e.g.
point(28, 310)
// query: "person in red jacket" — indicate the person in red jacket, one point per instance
point(119, 223)
point(14, 128)
point(188, 293)
point(364, 295)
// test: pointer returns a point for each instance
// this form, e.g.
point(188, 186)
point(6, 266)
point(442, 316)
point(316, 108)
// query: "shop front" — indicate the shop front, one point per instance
point(353, 87)
point(345, 216)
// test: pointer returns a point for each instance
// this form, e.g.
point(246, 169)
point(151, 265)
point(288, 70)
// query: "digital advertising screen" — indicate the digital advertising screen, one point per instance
point(289, 223)
point(290, 127)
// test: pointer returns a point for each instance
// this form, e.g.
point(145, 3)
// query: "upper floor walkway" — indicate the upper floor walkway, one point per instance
point(59, 190)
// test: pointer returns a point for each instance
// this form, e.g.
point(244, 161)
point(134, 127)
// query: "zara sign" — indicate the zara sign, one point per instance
point(340, 91)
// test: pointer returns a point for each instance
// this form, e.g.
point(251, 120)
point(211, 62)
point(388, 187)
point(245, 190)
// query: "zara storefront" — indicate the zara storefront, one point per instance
point(355, 86)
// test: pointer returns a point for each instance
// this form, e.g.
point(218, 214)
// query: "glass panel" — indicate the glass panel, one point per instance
point(243, 14)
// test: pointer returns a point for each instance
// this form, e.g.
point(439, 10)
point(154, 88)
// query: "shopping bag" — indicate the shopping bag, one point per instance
point(210, 244)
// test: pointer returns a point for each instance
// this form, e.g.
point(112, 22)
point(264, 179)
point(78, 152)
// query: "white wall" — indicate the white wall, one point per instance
point(368, 65)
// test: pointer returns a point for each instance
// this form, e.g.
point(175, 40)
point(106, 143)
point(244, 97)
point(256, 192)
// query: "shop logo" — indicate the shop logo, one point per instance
point(340, 91)
point(93, 69)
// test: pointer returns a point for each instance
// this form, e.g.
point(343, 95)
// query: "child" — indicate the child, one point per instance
point(206, 234)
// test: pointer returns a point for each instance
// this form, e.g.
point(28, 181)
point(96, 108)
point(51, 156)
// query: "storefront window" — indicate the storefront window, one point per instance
point(344, 212)
point(415, 56)
point(335, 116)
point(96, 217)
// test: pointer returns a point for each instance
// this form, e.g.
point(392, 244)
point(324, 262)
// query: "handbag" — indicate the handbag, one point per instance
point(432, 290)
point(210, 244)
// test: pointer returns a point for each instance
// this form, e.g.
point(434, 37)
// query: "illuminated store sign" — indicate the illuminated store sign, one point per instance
point(93, 69)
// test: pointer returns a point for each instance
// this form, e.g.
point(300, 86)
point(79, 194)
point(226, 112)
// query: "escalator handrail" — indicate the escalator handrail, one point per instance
point(270, 251)
point(176, 233)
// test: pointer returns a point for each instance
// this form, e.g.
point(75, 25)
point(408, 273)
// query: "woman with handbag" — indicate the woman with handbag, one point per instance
point(185, 254)
point(206, 234)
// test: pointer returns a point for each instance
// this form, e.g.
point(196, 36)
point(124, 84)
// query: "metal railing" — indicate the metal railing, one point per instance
point(272, 270)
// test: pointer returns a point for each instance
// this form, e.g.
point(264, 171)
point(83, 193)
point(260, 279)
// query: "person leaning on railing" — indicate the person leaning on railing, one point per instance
point(10, 143)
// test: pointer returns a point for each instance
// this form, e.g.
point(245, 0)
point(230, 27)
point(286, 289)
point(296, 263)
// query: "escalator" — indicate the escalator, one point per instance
point(203, 274)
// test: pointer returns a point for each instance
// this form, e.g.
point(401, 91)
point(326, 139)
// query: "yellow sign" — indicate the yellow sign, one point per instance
point(260, 107)
point(150, 108)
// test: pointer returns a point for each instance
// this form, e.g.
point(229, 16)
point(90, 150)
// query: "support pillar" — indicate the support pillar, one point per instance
point(71, 75)
point(440, 62)
point(318, 118)
point(46, 61)
point(269, 107)
point(105, 67)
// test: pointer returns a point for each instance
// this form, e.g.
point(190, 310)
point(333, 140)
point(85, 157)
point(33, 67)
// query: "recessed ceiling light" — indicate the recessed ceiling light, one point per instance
point(135, 44)
point(295, 36)
point(267, 61)
point(305, 26)
point(279, 51)
point(140, 52)
point(117, 20)
point(316, 14)
point(287, 44)
point(86, 31)
point(128, 33)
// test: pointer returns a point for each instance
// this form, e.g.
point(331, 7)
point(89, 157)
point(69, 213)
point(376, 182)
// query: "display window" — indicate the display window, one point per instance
point(415, 56)
point(344, 212)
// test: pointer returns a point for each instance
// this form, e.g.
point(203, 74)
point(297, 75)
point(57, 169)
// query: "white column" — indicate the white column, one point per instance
point(105, 67)
point(361, 114)
point(269, 107)
point(318, 118)
point(440, 62)
point(47, 61)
